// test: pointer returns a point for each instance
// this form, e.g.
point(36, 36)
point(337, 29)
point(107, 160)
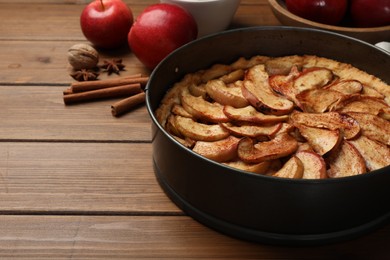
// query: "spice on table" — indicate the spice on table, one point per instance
point(112, 66)
point(117, 91)
point(100, 84)
point(84, 74)
point(127, 104)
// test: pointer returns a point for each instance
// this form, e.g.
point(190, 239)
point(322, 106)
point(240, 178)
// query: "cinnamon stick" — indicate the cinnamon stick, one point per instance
point(67, 91)
point(83, 86)
point(127, 104)
point(118, 91)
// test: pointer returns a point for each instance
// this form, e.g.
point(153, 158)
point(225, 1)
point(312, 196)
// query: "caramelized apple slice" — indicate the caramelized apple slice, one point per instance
point(345, 161)
point(198, 131)
point(260, 168)
point(312, 78)
point(371, 92)
point(384, 113)
point(305, 147)
point(320, 100)
point(292, 169)
point(329, 120)
point(347, 87)
point(219, 151)
point(282, 145)
point(250, 114)
point(278, 66)
point(224, 95)
point(313, 165)
point(180, 111)
point(252, 131)
point(170, 126)
point(197, 90)
point(376, 155)
point(284, 84)
point(373, 126)
point(321, 140)
point(201, 109)
point(257, 91)
point(365, 105)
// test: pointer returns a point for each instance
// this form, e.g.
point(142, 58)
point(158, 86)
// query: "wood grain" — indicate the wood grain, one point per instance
point(39, 113)
point(155, 237)
point(80, 177)
point(78, 183)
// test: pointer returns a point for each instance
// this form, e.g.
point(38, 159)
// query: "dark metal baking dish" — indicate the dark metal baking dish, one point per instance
point(264, 208)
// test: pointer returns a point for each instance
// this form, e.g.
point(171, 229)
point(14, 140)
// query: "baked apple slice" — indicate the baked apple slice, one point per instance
point(219, 151)
point(320, 100)
point(345, 161)
point(202, 109)
point(252, 131)
point(314, 166)
point(320, 139)
point(281, 146)
point(260, 168)
point(292, 169)
point(197, 90)
point(347, 87)
point(373, 126)
point(284, 84)
point(170, 126)
point(329, 120)
point(179, 110)
point(312, 78)
point(278, 66)
point(384, 113)
point(198, 131)
point(250, 114)
point(371, 92)
point(376, 155)
point(224, 95)
point(257, 91)
point(367, 105)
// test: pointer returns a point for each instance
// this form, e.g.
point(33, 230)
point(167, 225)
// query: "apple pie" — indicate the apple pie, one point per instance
point(291, 117)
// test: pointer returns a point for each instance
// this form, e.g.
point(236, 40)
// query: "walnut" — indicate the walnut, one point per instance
point(83, 56)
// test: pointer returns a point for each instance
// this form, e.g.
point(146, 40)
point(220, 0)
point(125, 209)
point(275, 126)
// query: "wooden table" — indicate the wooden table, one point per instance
point(76, 182)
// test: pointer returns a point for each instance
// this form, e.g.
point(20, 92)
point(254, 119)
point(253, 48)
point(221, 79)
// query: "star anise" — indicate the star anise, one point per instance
point(84, 75)
point(112, 66)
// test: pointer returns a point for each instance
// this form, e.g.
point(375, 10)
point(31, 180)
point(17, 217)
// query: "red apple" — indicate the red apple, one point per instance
point(321, 11)
point(370, 13)
point(106, 23)
point(159, 30)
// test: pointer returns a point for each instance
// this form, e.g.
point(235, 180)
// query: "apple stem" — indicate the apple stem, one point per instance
point(101, 2)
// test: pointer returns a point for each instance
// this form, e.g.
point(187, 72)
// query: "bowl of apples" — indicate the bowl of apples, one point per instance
point(264, 141)
point(368, 20)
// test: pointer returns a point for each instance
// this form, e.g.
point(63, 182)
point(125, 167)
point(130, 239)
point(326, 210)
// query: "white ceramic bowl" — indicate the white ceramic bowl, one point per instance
point(211, 15)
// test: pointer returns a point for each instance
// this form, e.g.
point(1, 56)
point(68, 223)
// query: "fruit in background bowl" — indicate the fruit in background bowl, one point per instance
point(159, 30)
point(106, 23)
point(322, 11)
point(370, 13)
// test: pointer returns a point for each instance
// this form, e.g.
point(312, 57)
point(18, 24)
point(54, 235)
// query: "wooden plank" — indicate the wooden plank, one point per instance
point(45, 62)
point(156, 237)
point(38, 113)
point(86, 178)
